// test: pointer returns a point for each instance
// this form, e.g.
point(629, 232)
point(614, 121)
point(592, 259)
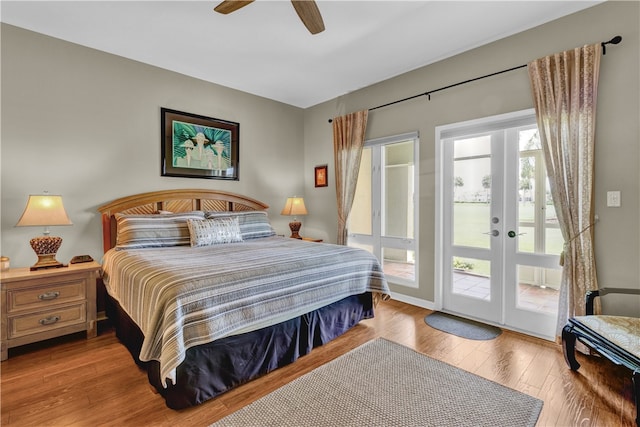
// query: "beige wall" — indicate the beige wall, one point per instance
point(86, 124)
point(617, 153)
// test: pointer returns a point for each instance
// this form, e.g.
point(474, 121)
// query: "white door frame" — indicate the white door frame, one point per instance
point(442, 199)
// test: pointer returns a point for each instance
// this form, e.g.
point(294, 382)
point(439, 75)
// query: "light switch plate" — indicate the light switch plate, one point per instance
point(613, 199)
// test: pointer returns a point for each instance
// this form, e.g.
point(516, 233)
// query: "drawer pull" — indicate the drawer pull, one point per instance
point(47, 296)
point(49, 320)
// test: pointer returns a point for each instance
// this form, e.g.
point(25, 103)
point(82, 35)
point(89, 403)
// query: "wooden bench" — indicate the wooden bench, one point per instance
point(615, 337)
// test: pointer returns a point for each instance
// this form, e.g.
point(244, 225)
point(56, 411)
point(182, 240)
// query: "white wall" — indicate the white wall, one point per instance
point(617, 235)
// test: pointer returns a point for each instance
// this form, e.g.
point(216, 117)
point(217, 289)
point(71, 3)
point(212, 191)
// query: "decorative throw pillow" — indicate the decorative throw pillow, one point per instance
point(214, 231)
point(253, 224)
point(154, 231)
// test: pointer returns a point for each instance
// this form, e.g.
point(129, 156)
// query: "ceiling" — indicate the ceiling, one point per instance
point(264, 48)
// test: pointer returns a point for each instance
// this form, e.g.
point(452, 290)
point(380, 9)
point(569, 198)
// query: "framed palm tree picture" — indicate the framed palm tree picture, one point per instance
point(196, 146)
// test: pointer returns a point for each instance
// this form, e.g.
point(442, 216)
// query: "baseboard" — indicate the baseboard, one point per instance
point(418, 302)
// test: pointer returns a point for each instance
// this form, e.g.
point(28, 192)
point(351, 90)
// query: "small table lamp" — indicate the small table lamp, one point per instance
point(294, 207)
point(45, 210)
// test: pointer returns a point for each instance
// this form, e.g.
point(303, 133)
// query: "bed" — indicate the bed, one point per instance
point(205, 295)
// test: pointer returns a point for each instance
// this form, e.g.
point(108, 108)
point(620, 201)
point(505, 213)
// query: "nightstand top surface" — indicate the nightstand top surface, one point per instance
point(24, 272)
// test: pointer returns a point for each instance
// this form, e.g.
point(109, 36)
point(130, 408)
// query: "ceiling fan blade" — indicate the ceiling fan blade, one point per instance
point(309, 14)
point(228, 6)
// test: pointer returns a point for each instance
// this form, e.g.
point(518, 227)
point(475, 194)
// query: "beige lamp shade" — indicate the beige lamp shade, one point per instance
point(45, 210)
point(294, 206)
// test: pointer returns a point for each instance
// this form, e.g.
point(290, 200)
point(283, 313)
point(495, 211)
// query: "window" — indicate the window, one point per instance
point(384, 215)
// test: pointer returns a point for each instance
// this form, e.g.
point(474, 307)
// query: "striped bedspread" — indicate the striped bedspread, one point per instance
point(181, 296)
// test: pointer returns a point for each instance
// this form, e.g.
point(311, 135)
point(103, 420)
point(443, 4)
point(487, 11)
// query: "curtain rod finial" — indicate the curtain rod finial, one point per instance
point(615, 40)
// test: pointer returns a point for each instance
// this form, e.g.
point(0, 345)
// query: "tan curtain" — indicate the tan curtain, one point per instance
point(348, 140)
point(565, 87)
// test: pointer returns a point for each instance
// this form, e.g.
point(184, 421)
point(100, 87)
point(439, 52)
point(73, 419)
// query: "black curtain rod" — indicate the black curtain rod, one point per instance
point(615, 40)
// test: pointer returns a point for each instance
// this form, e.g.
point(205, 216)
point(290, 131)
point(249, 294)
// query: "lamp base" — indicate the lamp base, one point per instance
point(295, 228)
point(46, 261)
point(46, 248)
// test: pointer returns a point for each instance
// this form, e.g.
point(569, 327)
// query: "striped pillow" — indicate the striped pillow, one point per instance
point(154, 231)
point(207, 232)
point(253, 224)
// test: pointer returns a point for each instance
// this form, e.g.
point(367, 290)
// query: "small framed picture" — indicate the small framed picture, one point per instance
point(321, 178)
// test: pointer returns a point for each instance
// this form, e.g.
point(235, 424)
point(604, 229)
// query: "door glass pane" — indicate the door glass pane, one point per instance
point(471, 278)
point(528, 176)
point(527, 203)
point(554, 241)
point(526, 239)
point(538, 289)
point(537, 223)
point(398, 190)
point(472, 192)
point(360, 216)
point(399, 263)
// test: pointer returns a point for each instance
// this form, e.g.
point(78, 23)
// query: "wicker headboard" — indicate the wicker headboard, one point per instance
point(182, 200)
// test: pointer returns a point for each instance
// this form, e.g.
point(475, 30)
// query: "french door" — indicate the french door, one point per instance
point(500, 238)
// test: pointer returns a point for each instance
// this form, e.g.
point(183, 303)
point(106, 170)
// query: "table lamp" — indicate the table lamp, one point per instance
point(45, 210)
point(293, 207)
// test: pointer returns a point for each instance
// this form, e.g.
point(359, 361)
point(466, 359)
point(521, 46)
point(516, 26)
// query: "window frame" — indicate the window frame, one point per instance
point(377, 241)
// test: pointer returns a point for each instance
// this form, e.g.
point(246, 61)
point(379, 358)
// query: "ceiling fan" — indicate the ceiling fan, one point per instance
point(307, 11)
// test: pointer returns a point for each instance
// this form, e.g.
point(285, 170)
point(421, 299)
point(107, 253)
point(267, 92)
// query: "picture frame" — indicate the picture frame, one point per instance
point(195, 146)
point(321, 177)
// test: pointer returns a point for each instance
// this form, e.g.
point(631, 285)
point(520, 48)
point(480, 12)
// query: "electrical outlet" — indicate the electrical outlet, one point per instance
point(613, 199)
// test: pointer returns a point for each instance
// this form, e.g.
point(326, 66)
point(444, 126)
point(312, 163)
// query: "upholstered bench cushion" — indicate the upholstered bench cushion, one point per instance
point(619, 330)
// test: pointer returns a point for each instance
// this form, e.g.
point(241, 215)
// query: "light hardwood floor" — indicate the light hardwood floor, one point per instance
point(78, 382)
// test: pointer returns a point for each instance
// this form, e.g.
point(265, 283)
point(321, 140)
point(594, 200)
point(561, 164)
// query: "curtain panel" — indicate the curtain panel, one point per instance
point(348, 140)
point(565, 87)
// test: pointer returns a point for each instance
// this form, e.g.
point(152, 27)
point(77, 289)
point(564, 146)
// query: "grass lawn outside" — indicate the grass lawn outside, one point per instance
point(472, 220)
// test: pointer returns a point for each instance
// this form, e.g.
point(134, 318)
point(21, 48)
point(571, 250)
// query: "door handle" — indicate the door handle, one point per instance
point(513, 234)
point(493, 233)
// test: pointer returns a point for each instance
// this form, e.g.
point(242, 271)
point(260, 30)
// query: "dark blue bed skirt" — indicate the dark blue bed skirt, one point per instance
point(213, 368)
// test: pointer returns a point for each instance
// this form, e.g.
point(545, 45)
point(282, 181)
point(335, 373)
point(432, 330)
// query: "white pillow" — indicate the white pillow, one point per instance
point(253, 224)
point(214, 231)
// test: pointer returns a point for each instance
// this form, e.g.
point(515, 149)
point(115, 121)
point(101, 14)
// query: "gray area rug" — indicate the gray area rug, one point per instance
point(382, 383)
point(461, 327)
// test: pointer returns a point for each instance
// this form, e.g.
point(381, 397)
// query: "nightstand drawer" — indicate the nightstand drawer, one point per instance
point(51, 294)
point(47, 320)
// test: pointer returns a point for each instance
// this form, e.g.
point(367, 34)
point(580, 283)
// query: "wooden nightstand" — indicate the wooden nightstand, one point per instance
point(309, 239)
point(43, 304)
